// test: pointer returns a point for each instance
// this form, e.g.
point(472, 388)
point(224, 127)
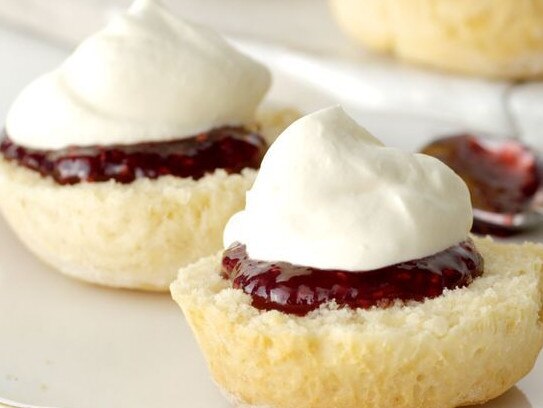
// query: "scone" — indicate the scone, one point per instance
point(493, 38)
point(125, 162)
point(395, 304)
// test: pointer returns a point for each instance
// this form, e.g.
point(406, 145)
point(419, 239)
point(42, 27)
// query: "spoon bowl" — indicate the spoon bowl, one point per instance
point(504, 177)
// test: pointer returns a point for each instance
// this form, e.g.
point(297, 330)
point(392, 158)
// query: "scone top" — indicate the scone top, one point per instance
point(329, 195)
point(146, 77)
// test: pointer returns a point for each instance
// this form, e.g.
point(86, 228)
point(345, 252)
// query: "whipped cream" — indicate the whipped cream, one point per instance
point(148, 76)
point(329, 195)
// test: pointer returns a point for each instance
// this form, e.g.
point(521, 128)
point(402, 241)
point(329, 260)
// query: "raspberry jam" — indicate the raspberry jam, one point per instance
point(228, 148)
point(502, 176)
point(298, 289)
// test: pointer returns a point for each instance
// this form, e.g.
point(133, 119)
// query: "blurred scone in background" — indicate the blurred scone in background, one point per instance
point(490, 38)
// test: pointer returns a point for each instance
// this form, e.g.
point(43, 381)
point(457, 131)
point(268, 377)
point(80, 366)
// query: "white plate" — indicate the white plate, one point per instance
point(65, 344)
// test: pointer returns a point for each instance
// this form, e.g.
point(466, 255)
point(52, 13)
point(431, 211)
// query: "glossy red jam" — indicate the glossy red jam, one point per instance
point(228, 148)
point(298, 290)
point(503, 177)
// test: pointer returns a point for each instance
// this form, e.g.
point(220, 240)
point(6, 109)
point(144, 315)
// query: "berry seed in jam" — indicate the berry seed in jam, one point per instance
point(503, 177)
point(228, 148)
point(298, 290)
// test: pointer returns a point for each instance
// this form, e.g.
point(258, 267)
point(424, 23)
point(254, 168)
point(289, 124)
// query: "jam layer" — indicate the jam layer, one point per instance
point(298, 290)
point(228, 148)
point(502, 177)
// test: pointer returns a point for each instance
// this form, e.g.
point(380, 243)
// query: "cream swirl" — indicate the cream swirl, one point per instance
point(148, 76)
point(329, 195)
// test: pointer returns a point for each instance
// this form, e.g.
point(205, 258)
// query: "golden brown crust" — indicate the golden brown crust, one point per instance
point(133, 235)
point(465, 347)
point(494, 38)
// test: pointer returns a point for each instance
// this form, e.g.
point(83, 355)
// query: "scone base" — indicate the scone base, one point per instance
point(465, 347)
point(130, 236)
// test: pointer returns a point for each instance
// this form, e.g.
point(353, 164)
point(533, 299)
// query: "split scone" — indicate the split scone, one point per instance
point(395, 304)
point(493, 38)
point(126, 162)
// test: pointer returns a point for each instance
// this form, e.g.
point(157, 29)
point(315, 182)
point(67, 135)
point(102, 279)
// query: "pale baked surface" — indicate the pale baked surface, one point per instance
point(133, 235)
point(494, 38)
point(465, 347)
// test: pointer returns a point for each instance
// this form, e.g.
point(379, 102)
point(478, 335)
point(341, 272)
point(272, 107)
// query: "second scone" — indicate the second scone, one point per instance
point(125, 162)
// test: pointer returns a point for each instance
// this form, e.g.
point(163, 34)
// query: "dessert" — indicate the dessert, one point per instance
point(492, 38)
point(126, 161)
point(350, 280)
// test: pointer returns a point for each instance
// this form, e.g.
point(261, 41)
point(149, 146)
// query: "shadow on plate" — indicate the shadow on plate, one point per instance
point(514, 398)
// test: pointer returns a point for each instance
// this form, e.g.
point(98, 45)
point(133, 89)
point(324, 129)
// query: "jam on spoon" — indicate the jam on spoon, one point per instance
point(503, 177)
point(228, 148)
point(298, 289)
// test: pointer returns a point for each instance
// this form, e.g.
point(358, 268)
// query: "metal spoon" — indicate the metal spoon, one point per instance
point(504, 177)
